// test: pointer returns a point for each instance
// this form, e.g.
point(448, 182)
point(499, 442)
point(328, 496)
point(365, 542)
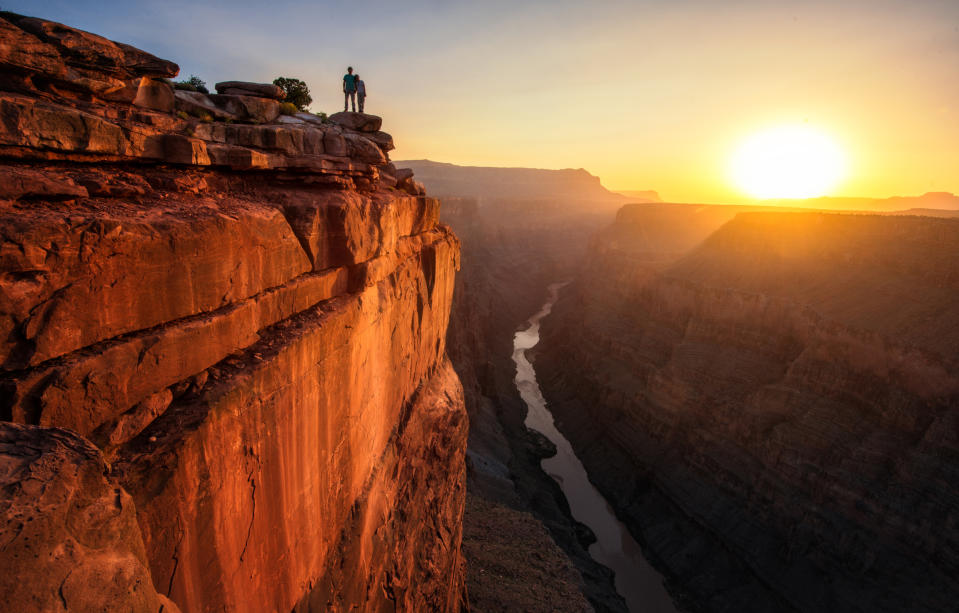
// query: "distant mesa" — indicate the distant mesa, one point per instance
point(442, 179)
point(929, 200)
point(643, 195)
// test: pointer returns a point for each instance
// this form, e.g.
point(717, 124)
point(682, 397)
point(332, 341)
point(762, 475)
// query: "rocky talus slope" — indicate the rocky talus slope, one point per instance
point(775, 411)
point(222, 348)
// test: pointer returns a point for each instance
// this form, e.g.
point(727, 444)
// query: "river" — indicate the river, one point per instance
point(636, 581)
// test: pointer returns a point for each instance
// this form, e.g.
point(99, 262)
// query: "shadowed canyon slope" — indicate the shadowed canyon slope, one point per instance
point(222, 340)
point(772, 405)
point(514, 245)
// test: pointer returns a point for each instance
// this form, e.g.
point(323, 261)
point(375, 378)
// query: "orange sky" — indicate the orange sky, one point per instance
point(647, 94)
point(659, 98)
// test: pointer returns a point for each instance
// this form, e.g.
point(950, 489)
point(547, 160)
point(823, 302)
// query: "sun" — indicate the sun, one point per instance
point(790, 161)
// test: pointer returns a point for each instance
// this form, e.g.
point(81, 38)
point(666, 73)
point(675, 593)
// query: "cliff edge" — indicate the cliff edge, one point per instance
point(233, 322)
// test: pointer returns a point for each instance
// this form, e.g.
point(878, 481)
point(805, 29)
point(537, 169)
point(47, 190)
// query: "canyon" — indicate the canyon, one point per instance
point(222, 348)
point(769, 399)
point(513, 248)
point(248, 364)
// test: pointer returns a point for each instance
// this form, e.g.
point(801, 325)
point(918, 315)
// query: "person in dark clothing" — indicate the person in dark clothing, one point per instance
point(349, 89)
point(360, 92)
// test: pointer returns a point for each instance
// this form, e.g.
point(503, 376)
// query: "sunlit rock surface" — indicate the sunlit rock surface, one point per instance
point(247, 323)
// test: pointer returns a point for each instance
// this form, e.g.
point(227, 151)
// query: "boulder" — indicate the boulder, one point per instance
point(125, 94)
point(383, 140)
point(94, 53)
point(25, 51)
point(156, 95)
point(310, 118)
point(237, 158)
point(361, 122)
point(180, 149)
point(248, 108)
point(68, 60)
point(198, 104)
point(243, 88)
point(70, 536)
point(405, 182)
point(386, 178)
point(37, 128)
point(363, 149)
point(18, 183)
point(114, 184)
point(334, 143)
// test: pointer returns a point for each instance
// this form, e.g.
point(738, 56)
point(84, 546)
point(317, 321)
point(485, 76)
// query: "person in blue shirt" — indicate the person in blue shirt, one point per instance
point(360, 92)
point(349, 89)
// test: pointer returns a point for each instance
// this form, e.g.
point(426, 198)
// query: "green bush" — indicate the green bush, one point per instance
point(323, 116)
point(182, 115)
point(287, 108)
point(297, 92)
point(193, 84)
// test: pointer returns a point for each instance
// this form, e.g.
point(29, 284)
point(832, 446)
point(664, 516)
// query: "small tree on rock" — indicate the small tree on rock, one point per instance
point(296, 91)
point(193, 84)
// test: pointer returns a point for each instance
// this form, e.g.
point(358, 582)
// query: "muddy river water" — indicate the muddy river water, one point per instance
point(636, 581)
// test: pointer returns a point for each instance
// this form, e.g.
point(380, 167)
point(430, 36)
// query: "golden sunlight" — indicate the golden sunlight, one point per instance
point(791, 161)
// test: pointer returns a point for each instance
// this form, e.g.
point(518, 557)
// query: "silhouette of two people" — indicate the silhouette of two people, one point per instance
point(353, 88)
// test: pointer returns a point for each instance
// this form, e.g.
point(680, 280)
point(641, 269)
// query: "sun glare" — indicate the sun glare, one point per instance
point(794, 161)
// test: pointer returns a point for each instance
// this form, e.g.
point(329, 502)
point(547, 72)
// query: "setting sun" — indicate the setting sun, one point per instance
point(793, 161)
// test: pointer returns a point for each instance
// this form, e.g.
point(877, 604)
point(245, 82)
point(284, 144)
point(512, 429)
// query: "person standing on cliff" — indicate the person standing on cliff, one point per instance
point(360, 92)
point(349, 89)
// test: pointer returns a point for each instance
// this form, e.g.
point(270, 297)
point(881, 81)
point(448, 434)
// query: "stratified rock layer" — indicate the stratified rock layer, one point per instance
point(775, 413)
point(247, 322)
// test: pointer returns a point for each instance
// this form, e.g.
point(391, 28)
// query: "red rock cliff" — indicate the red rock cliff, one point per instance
point(246, 313)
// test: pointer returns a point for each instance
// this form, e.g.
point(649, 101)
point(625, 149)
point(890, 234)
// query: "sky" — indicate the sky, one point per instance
point(646, 94)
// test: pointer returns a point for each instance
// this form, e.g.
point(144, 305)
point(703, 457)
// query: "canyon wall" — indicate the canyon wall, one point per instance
point(229, 325)
point(512, 249)
point(772, 407)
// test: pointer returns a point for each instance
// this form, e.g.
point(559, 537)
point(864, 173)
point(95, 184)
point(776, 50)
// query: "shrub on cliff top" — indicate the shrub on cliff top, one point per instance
point(193, 84)
point(287, 108)
point(297, 93)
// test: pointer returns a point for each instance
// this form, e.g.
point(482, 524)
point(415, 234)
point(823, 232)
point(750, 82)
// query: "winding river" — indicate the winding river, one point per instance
point(636, 581)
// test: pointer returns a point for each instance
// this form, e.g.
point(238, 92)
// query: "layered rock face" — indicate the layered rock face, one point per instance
point(239, 320)
point(775, 413)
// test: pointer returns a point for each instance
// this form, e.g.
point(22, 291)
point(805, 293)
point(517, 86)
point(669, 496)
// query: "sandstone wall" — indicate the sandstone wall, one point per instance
point(246, 313)
point(762, 416)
